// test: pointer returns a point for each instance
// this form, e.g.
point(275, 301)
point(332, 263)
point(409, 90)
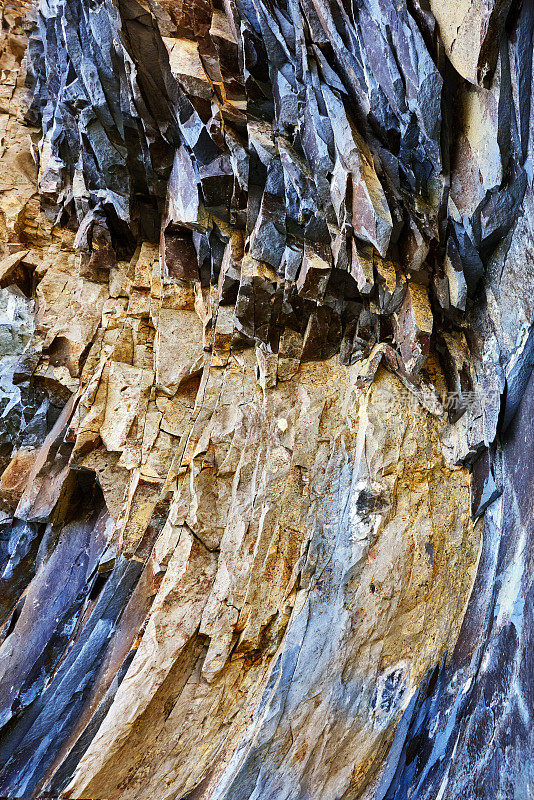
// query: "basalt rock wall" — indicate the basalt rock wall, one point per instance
point(266, 302)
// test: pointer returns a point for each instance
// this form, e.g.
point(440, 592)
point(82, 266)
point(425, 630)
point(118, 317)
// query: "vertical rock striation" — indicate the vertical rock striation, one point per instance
point(265, 399)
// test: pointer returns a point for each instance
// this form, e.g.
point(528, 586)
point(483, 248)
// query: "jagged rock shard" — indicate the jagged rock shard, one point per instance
point(471, 33)
point(414, 324)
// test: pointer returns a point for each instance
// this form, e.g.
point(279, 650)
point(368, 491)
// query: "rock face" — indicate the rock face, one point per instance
point(266, 306)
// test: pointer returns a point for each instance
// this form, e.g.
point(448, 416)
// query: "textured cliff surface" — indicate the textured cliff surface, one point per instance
point(266, 306)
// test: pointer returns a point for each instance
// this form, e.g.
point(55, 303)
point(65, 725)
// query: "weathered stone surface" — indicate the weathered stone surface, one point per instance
point(265, 400)
point(353, 540)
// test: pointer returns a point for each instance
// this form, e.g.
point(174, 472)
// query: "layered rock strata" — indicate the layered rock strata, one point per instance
point(266, 326)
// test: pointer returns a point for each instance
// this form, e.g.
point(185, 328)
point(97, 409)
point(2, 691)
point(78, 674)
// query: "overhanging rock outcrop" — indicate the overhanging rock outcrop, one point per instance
point(266, 311)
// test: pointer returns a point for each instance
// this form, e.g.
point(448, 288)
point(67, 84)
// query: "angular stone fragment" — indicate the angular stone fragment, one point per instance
point(362, 267)
point(371, 217)
point(69, 311)
point(413, 327)
point(177, 348)
point(46, 480)
point(182, 193)
point(477, 165)
point(470, 32)
point(179, 256)
point(289, 355)
point(314, 273)
point(485, 488)
point(392, 285)
point(15, 476)
point(9, 264)
point(186, 66)
point(126, 385)
point(267, 240)
point(457, 286)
